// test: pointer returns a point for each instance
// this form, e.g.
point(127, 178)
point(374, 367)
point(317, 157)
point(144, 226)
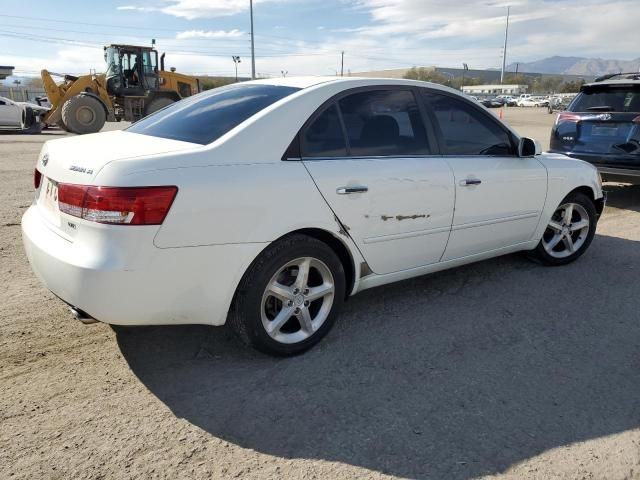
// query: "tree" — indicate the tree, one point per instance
point(426, 75)
point(572, 86)
point(207, 83)
point(517, 79)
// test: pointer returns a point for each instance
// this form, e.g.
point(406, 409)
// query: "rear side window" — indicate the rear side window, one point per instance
point(205, 117)
point(323, 137)
point(383, 123)
point(466, 130)
point(608, 99)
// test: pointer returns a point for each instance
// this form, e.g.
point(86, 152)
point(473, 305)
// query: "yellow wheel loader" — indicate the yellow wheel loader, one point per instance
point(133, 86)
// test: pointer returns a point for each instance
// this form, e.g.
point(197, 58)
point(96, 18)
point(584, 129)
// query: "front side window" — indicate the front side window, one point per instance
point(466, 130)
point(205, 117)
point(383, 123)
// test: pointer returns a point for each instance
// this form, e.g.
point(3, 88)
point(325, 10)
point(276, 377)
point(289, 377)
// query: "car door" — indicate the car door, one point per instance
point(499, 196)
point(370, 156)
point(10, 113)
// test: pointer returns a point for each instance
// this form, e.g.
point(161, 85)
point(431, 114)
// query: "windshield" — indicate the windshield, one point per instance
point(207, 116)
point(608, 99)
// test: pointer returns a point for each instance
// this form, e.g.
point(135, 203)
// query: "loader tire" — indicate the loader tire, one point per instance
point(157, 104)
point(83, 114)
point(62, 125)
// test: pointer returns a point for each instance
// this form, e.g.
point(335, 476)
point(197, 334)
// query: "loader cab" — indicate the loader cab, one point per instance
point(131, 70)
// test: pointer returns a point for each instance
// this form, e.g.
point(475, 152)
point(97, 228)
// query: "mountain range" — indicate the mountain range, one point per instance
point(576, 66)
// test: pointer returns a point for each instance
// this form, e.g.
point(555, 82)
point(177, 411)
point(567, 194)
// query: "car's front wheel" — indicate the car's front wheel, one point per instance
point(569, 232)
point(289, 297)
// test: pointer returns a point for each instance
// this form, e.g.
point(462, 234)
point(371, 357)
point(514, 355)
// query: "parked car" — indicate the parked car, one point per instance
point(492, 102)
point(267, 203)
point(602, 126)
point(559, 103)
point(532, 102)
point(508, 100)
point(19, 116)
point(43, 101)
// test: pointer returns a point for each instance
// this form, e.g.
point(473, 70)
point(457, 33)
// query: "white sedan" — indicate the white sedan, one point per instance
point(532, 102)
point(20, 116)
point(266, 204)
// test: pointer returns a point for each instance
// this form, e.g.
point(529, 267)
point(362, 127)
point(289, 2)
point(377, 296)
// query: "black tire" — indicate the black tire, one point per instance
point(245, 315)
point(62, 126)
point(541, 254)
point(158, 104)
point(34, 128)
point(83, 114)
point(29, 118)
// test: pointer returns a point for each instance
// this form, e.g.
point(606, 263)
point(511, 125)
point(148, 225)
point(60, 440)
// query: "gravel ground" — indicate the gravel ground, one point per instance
point(501, 369)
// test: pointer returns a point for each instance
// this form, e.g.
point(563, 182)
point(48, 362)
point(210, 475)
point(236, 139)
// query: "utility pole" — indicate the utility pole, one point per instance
point(342, 64)
point(504, 50)
point(253, 52)
point(236, 61)
point(465, 67)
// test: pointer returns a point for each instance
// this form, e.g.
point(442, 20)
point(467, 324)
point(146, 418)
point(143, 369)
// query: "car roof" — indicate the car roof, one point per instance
point(616, 79)
point(311, 81)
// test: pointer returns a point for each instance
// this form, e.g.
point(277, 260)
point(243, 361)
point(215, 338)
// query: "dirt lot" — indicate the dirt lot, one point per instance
point(502, 369)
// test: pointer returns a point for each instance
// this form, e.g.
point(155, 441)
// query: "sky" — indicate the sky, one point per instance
point(303, 37)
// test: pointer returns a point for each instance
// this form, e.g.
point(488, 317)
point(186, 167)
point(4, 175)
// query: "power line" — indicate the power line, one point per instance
point(129, 27)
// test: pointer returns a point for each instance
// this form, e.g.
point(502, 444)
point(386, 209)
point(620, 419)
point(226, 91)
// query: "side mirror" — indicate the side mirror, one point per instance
point(528, 148)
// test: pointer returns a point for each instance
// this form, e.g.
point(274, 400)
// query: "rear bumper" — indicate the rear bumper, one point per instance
point(134, 285)
point(612, 168)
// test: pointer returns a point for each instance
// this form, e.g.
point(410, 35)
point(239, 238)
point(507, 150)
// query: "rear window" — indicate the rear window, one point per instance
point(205, 117)
point(608, 99)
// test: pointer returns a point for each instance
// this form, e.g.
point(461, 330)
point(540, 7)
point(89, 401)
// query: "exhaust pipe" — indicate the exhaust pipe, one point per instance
point(82, 316)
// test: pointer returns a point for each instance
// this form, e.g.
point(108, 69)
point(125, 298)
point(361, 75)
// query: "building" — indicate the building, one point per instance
point(494, 89)
point(5, 72)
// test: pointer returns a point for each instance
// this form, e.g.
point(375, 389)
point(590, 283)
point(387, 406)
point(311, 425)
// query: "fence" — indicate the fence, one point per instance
point(20, 94)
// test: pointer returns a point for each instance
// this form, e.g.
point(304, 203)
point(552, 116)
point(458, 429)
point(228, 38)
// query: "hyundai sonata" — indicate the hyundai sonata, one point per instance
point(267, 203)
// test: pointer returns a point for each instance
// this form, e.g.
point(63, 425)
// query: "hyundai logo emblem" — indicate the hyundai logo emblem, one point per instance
point(604, 116)
point(45, 160)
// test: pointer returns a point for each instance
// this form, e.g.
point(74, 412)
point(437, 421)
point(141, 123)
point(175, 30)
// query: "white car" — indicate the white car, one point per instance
point(19, 116)
point(268, 203)
point(532, 102)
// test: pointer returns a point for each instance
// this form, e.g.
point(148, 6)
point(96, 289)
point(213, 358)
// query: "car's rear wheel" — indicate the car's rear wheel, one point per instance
point(290, 296)
point(569, 232)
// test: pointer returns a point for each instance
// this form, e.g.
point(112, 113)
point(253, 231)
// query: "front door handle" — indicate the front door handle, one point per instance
point(470, 181)
point(350, 190)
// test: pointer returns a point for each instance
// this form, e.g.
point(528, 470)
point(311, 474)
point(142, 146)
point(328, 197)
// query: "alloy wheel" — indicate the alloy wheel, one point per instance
point(297, 300)
point(567, 231)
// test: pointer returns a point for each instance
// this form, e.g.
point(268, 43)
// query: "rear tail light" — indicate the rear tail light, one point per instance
point(116, 205)
point(37, 178)
point(568, 117)
point(636, 120)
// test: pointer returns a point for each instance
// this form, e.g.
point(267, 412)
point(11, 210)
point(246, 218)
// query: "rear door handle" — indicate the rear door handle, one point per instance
point(470, 181)
point(350, 190)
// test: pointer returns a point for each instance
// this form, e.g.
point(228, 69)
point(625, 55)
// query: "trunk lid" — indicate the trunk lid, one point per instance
point(79, 159)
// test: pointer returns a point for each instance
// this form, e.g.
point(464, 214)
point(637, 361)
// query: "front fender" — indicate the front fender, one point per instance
point(564, 176)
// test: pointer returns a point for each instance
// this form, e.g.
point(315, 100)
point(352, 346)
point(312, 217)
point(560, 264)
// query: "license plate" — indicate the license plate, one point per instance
point(49, 198)
point(605, 131)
